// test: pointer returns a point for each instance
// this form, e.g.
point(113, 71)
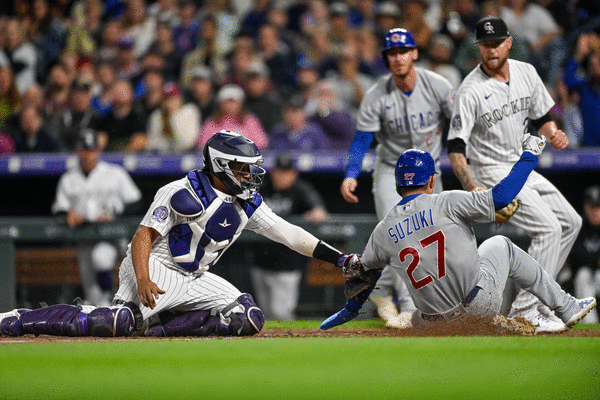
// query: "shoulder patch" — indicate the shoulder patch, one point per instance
point(185, 204)
point(456, 123)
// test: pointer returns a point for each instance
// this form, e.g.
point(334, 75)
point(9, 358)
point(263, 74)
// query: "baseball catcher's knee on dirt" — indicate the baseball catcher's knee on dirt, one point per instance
point(239, 318)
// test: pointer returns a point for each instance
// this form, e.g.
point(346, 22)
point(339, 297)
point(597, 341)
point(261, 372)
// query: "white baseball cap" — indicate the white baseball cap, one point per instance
point(230, 92)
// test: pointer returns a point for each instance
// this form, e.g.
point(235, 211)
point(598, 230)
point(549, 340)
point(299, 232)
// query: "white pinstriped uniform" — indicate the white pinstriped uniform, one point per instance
point(401, 122)
point(198, 290)
point(492, 117)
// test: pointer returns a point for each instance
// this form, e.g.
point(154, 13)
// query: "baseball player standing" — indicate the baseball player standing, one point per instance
point(429, 240)
point(403, 110)
point(164, 279)
point(492, 111)
point(96, 191)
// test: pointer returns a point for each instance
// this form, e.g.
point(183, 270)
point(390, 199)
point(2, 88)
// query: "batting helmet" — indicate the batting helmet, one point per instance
point(414, 168)
point(397, 37)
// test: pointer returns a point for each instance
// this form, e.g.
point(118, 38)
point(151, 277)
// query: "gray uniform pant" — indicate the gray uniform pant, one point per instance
point(386, 197)
point(547, 217)
point(501, 260)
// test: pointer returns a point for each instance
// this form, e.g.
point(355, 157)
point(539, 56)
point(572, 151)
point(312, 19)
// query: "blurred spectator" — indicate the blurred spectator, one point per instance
point(587, 57)
point(10, 99)
point(185, 34)
point(413, 20)
point(369, 52)
point(328, 112)
point(58, 90)
point(350, 84)
point(139, 26)
point(19, 54)
point(314, 18)
point(256, 17)
point(152, 91)
point(459, 18)
point(128, 66)
point(296, 132)
point(165, 11)
point(277, 56)
point(102, 99)
point(207, 52)
point(339, 28)
point(202, 92)
point(439, 59)
point(278, 18)
point(46, 33)
point(124, 127)
point(165, 47)
point(567, 114)
point(362, 14)
point(387, 17)
point(584, 259)
point(173, 128)
point(261, 100)
point(320, 52)
point(108, 50)
point(227, 23)
point(537, 26)
point(467, 55)
point(277, 284)
point(32, 137)
point(231, 114)
point(95, 191)
point(307, 77)
point(242, 56)
point(7, 144)
point(66, 126)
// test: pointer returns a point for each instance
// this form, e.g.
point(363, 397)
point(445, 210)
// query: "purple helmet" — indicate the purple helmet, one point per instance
point(414, 168)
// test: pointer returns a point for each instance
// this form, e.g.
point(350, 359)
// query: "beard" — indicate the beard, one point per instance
point(496, 64)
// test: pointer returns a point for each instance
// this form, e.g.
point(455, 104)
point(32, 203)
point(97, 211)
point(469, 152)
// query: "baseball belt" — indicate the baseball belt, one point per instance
point(456, 312)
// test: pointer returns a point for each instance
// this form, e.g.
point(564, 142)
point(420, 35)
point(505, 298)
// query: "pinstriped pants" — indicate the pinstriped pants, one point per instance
point(184, 292)
point(547, 217)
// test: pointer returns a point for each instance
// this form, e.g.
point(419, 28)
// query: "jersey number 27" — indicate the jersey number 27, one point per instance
point(437, 237)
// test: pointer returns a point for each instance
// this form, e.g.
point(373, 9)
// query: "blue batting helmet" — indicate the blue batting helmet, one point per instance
point(397, 37)
point(414, 168)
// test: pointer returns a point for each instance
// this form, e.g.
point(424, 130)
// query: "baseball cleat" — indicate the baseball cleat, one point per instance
point(544, 325)
point(586, 305)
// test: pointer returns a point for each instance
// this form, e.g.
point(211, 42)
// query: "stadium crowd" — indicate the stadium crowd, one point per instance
point(159, 76)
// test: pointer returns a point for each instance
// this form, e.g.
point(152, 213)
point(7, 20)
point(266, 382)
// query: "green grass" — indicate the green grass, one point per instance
point(545, 367)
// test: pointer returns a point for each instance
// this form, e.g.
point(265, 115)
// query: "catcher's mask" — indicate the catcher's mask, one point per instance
point(227, 152)
point(414, 168)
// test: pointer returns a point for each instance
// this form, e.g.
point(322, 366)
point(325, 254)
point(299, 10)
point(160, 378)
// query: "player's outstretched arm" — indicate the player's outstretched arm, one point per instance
point(349, 312)
point(461, 171)
point(141, 245)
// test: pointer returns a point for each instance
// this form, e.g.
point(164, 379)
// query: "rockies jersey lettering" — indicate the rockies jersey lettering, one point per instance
point(515, 106)
point(411, 224)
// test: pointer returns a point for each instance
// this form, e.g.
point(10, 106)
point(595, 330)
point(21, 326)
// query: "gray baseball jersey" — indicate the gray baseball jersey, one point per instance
point(400, 121)
point(491, 117)
point(428, 240)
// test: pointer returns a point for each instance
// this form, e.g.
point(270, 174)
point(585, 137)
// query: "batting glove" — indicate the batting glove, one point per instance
point(534, 144)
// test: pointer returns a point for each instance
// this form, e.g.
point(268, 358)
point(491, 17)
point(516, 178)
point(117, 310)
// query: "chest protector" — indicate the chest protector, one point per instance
point(212, 223)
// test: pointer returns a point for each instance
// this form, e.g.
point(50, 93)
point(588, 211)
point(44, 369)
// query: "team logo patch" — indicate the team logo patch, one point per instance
point(489, 28)
point(396, 37)
point(160, 214)
point(456, 123)
point(452, 93)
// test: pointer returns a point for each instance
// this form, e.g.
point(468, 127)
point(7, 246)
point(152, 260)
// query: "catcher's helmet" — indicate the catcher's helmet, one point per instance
point(414, 168)
point(397, 37)
point(226, 146)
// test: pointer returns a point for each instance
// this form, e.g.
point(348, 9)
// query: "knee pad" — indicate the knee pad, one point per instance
point(121, 320)
point(243, 316)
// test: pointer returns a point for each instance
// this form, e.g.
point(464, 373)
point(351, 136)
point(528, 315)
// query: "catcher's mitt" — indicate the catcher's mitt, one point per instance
point(504, 214)
point(357, 280)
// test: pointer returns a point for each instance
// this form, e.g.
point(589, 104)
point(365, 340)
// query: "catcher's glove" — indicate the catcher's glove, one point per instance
point(357, 280)
point(504, 214)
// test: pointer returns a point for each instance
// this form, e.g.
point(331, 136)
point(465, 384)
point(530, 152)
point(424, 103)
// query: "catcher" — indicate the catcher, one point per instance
point(428, 239)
